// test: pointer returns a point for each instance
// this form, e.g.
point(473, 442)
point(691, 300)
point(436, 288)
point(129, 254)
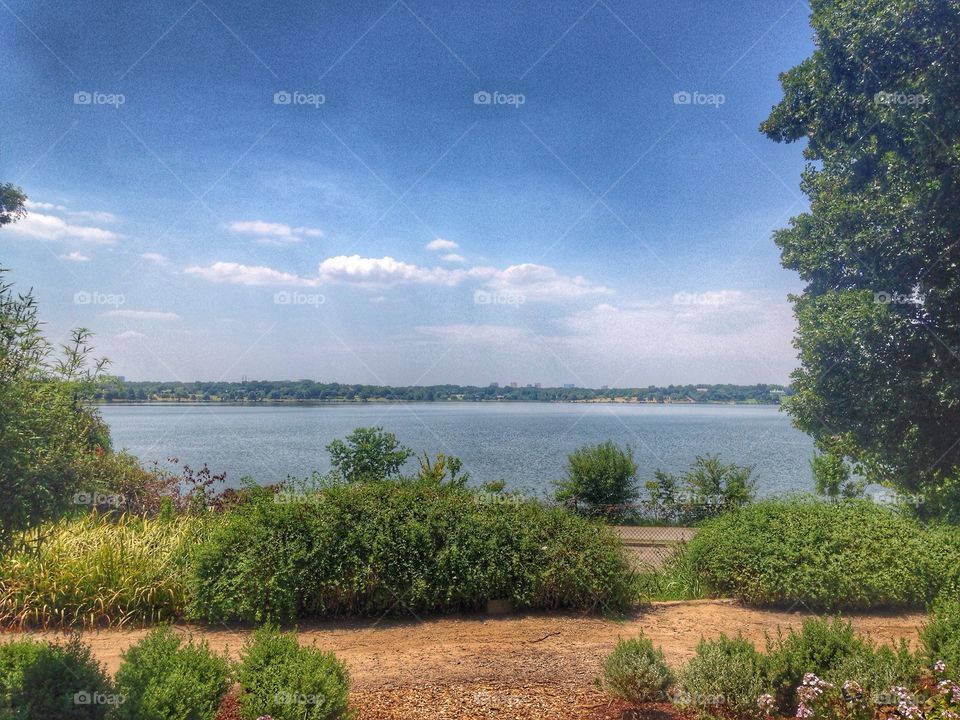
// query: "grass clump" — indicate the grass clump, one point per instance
point(285, 681)
point(98, 571)
point(677, 579)
point(370, 548)
point(162, 677)
point(850, 555)
point(636, 671)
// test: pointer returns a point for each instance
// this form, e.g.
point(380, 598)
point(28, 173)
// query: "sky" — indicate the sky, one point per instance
point(406, 192)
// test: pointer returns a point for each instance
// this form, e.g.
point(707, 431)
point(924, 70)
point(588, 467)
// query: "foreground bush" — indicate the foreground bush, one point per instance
point(162, 678)
point(636, 671)
point(941, 635)
point(727, 673)
point(371, 548)
point(829, 556)
point(40, 681)
point(98, 571)
point(285, 681)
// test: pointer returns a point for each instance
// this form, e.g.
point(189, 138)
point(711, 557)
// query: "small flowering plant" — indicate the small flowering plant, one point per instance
point(934, 697)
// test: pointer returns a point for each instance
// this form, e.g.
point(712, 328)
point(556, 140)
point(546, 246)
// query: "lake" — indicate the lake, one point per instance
point(525, 444)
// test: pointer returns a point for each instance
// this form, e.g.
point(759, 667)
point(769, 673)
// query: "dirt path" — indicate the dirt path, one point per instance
point(515, 650)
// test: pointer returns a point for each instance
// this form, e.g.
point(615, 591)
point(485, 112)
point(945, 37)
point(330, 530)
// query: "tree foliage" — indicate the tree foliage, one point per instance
point(601, 479)
point(879, 249)
point(368, 454)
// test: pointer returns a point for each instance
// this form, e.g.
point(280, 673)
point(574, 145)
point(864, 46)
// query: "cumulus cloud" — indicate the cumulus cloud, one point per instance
point(74, 257)
point(238, 274)
point(156, 258)
point(50, 227)
point(273, 233)
point(542, 282)
point(441, 244)
point(453, 257)
point(142, 314)
point(384, 272)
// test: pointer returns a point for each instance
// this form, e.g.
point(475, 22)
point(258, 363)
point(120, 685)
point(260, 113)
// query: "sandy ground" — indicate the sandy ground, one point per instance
point(513, 649)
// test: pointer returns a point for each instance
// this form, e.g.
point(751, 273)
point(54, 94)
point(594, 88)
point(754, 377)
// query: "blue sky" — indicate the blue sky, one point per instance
point(406, 193)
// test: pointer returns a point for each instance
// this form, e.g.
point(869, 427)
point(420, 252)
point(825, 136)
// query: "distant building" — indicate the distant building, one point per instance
point(703, 389)
point(122, 378)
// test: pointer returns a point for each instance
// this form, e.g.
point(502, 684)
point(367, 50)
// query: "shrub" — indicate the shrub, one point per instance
point(368, 455)
point(727, 672)
point(163, 678)
point(603, 477)
point(43, 681)
point(706, 490)
point(636, 671)
point(831, 556)
point(941, 635)
point(370, 548)
point(281, 679)
point(820, 646)
point(96, 571)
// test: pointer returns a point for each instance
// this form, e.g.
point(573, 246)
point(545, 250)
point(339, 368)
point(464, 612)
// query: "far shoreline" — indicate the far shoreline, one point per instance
point(387, 401)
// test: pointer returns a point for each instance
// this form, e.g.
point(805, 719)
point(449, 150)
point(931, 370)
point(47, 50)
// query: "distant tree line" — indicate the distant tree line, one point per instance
point(311, 391)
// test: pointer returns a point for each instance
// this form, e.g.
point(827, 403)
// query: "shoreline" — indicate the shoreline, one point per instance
point(387, 401)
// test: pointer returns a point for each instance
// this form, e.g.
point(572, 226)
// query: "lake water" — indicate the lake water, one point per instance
point(525, 444)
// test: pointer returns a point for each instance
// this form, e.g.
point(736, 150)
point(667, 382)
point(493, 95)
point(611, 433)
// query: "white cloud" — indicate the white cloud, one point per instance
point(542, 282)
point(49, 227)
point(453, 257)
point(74, 257)
point(272, 233)
point(35, 205)
point(156, 258)
point(441, 244)
point(95, 216)
point(142, 314)
point(384, 272)
point(131, 335)
point(237, 274)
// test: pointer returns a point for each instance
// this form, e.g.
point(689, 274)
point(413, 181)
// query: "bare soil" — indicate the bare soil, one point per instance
point(535, 665)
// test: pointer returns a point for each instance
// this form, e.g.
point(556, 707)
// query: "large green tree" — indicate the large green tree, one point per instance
point(879, 249)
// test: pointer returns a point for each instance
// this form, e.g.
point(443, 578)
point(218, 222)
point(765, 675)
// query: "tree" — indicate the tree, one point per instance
point(368, 454)
point(879, 319)
point(12, 203)
point(709, 488)
point(603, 476)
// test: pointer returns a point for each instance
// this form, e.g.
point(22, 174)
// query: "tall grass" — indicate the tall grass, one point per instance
point(96, 571)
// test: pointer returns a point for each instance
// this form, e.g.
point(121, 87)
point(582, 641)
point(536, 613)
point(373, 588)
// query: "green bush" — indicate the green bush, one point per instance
point(822, 647)
point(941, 635)
point(42, 681)
point(281, 679)
point(370, 548)
point(725, 672)
point(708, 489)
point(601, 480)
point(162, 678)
point(830, 556)
point(636, 671)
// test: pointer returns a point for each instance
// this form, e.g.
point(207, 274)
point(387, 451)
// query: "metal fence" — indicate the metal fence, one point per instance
point(653, 545)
